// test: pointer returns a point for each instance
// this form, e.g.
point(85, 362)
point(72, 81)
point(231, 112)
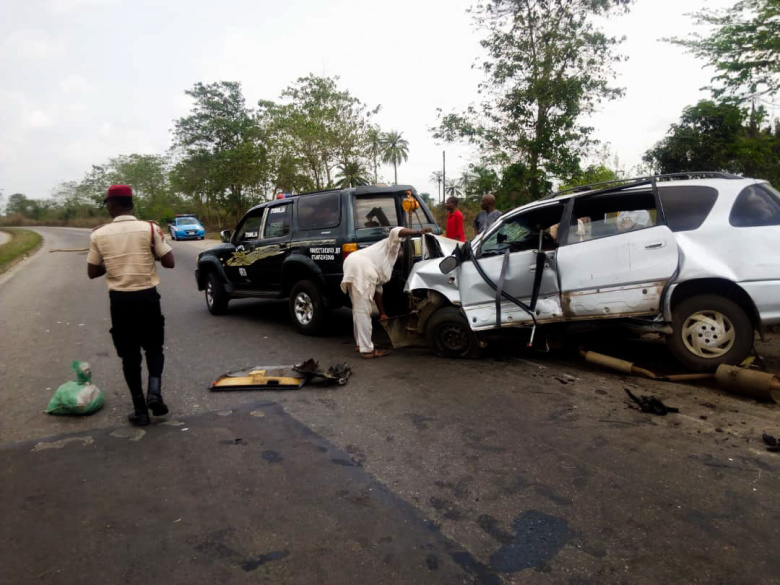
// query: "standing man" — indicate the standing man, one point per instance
point(365, 271)
point(454, 228)
point(487, 216)
point(125, 251)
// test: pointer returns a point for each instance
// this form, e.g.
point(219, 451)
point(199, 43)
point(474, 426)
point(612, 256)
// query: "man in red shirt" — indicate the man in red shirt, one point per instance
point(454, 221)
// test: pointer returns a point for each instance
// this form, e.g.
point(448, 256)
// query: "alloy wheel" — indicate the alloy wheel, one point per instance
point(304, 308)
point(708, 334)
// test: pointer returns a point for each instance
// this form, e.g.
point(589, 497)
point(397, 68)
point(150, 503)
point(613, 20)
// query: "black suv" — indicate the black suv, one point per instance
point(295, 248)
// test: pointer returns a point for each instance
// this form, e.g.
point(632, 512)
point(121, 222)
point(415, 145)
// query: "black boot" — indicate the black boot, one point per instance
point(154, 397)
point(140, 415)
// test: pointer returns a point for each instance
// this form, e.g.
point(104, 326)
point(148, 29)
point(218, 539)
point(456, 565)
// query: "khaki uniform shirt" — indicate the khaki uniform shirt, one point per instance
point(125, 248)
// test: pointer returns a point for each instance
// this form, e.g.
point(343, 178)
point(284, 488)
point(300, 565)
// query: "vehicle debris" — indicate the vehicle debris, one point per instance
point(773, 445)
point(282, 377)
point(629, 368)
point(651, 404)
point(758, 385)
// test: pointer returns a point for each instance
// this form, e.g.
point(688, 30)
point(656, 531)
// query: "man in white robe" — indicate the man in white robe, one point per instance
point(365, 271)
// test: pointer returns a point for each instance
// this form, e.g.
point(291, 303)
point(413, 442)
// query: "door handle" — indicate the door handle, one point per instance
point(655, 245)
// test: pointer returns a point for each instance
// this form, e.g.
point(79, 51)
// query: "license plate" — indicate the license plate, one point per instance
point(190, 233)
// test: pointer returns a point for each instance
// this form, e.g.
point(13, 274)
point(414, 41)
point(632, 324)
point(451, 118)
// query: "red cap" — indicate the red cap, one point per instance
point(119, 192)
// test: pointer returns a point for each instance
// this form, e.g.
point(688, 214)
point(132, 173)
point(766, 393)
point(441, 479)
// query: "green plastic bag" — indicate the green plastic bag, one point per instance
point(80, 397)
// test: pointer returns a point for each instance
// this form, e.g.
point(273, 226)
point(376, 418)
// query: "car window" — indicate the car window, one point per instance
point(186, 221)
point(521, 232)
point(278, 222)
point(250, 229)
point(373, 212)
point(756, 205)
point(611, 214)
point(319, 212)
point(687, 207)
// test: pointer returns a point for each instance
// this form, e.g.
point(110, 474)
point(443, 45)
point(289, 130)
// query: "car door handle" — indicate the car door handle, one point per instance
point(655, 245)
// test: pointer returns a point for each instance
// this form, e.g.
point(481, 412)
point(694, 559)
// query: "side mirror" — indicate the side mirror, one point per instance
point(449, 264)
point(224, 235)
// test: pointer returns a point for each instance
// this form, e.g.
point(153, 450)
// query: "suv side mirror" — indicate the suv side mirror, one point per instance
point(224, 235)
point(449, 264)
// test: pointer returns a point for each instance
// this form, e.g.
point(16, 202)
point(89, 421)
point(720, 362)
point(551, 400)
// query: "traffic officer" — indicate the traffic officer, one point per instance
point(125, 251)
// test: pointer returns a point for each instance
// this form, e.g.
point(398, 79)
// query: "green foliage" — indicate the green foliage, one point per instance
point(22, 242)
point(395, 150)
point(315, 129)
point(548, 66)
point(724, 137)
point(743, 47)
point(590, 175)
point(352, 174)
point(222, 137)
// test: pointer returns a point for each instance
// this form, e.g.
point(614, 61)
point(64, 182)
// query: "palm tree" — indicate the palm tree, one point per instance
point(352, 174)
point(436, 177)
point(374, 139)
point(465, 182)
point(395, 150)
point(452, 188)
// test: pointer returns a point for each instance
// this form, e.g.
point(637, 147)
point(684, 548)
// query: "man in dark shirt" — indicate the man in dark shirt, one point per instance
point(487, 216)
point(454, 228)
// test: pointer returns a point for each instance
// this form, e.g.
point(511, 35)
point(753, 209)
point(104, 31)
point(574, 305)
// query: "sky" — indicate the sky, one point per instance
point(82, 81)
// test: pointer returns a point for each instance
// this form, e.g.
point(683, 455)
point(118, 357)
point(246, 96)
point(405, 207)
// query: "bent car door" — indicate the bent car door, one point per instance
point(511, 246)
point(618, 256)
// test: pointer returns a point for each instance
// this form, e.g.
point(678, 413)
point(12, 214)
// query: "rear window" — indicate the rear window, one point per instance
point(319, 212)
point(372, 212)
point(756, 205)
point(686, 208)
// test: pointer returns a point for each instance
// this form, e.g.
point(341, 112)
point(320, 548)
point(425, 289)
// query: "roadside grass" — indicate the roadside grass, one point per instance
point(22, 242)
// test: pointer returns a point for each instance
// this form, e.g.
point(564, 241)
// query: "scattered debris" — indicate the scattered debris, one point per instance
point(282, 377)
point(758, 385)
point(773, 444)
point(651, 404)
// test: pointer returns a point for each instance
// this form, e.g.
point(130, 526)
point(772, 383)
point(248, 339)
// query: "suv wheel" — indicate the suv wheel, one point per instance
point(216, 296)
point(307, 308)
point(449, 335)
point(708, 331)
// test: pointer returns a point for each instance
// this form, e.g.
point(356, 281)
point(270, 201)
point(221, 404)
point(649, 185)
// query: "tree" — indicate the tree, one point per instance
point(149, 176)
point(590, 175)
point(319, 125)
point(453, 188)
point(547, 68)
point(725, 137)
point(352, 174)
point(395, 150)
point(484, 180)
point(436, 177)
point(743, 47)
point(19, 204)
point(223, 133)
point(374, 141)
point(465, 182)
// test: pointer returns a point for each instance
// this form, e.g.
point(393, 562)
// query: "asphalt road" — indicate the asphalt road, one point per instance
point(514, 468)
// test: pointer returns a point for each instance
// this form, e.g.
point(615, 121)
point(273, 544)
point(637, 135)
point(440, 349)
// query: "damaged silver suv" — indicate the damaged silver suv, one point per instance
point(694, 257)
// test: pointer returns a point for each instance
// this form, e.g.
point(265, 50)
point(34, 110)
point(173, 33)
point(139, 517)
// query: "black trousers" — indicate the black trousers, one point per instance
point(137, 323)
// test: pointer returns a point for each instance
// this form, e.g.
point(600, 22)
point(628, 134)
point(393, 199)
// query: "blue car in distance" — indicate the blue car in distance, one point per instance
point(186, 227)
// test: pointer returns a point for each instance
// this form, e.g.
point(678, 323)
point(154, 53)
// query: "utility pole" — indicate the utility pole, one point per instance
point(443, 174)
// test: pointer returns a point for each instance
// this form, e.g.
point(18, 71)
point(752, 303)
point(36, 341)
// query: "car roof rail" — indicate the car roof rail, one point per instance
point(621, 184)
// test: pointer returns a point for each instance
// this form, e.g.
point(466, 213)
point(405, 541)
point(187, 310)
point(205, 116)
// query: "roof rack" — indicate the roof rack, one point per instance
point(620, 184)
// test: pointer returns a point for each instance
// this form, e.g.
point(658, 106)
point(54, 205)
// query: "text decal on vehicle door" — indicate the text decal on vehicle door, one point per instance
point(323, 253)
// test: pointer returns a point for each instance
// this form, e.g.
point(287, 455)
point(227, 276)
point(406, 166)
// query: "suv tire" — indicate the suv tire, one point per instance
point(307, 308)
point(449, 335)
point(216, 295)
point(710, 330)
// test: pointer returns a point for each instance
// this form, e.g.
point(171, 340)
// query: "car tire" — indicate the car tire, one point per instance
point(307, 308)
point(173, 236)
point(710, 330)
point(216, 296)
point(449, 335)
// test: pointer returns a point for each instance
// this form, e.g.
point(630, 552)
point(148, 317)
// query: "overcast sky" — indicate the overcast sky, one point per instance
point(86, 80)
